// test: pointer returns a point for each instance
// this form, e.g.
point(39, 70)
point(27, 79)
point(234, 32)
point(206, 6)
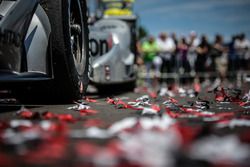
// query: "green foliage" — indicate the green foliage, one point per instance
point(142, 32)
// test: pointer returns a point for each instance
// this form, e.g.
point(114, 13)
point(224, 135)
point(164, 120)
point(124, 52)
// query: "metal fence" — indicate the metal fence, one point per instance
point(235, 76)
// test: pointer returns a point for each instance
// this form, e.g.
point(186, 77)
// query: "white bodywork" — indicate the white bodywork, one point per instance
point(116, 65)
point(36, 59)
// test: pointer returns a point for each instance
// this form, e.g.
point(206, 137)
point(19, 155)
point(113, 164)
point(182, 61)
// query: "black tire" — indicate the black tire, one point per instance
point(70, 53)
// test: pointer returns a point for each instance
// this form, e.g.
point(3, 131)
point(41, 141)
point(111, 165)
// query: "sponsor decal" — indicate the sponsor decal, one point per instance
point(98, 47)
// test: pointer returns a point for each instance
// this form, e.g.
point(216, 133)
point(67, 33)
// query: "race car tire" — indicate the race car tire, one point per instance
point(70, 54)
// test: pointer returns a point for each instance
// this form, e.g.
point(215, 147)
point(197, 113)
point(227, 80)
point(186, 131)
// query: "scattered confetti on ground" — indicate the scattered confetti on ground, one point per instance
point(167, 128)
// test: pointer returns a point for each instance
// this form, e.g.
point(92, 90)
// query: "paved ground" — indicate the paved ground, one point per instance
point(211, 129)
point(106, 112)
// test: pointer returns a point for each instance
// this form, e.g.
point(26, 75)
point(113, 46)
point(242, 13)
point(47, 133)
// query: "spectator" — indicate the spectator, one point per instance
point(157, 65)
point(247, 57)
point(193, 43)
point(202, 56)
point(216, 52)
point(219, 59)
point(182, 49)
point(166, 48)
point(174, 54)
point(242, 46)
point(233, 59)
point(139, 58)
point(150, 50)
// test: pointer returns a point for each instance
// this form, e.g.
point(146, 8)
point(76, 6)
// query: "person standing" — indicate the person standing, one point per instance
point(182, 51)
point(233, 59)
point(174, 61)
point(166, 49)
point(193, 43)
point(219, 58)
point(149, 50)
point(242, 46)
point(202, 56)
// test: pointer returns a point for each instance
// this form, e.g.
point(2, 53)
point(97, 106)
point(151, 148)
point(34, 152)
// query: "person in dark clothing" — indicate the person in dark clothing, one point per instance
point(242, 45)
point(219, 59)
point(216, 51)
point(233, 58)
point(174, 54)
point(182, 51)
point(202, 55)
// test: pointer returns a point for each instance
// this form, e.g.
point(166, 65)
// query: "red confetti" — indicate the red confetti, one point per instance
point(172, 114)
point(114, 148)
point(245, 136)
point(153, 95)
point(90, 100)
point(61, 117)
point(220, 98)
point(121, 105)
point(110, 101)
point(85, 149)
point(225, 115)
point(134, 108)
point(220, 95)
point(3, 126)
point(156, 107)
point(6, 161)
point(93, 123)
point(188, 133)
point(27, 114)
point(66, 118)
point(173, 100)
point(242, 104)
point(88, 112)
point(48, 152)
point(221, 115)
point(60, 128)
point(48, 115)
point(193, 111)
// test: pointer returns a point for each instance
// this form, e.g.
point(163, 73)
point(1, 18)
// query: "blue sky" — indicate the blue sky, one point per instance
point(226, 17)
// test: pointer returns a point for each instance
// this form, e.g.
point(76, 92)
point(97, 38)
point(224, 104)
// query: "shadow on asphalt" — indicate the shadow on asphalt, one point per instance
point(105, 92)
point(7, 108)
point(105, 95)
point(8, 102)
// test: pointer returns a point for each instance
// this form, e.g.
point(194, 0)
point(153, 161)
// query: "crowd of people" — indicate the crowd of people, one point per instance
point(193, 55)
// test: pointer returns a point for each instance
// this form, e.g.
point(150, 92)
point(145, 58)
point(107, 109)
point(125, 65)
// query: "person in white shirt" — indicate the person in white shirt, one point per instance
point(193, 43)
point(242, 46)
point(166, 48)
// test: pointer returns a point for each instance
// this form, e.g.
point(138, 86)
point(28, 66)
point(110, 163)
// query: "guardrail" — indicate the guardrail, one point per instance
point(239, 76)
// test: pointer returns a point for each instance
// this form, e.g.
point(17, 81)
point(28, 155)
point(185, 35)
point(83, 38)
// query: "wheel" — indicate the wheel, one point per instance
point(69, 46)
point(70, 53)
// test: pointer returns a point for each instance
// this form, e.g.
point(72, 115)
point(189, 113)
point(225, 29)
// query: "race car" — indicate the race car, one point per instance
point(44, 51)
point(117, 7)
point(113, 50)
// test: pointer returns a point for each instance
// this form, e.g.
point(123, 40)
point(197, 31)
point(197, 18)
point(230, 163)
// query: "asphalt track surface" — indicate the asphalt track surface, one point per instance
point(195, 127)
point(107, 113)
